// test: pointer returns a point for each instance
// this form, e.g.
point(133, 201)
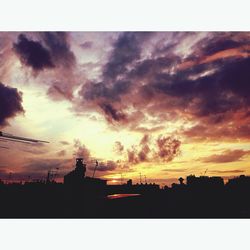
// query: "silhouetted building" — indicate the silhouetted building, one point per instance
point(130, 188)
point(181, 181)
point(205, 182)
point(145, 188)
point(85, 185)
point(95, 186)
point(76, 176)
point(129, 182)
point(241, 182)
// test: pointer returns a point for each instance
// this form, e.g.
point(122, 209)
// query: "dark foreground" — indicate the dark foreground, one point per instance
point(59, 201)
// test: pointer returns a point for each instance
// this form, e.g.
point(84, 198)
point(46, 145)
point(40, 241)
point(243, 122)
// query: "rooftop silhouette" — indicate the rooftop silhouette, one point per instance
point(81, 196)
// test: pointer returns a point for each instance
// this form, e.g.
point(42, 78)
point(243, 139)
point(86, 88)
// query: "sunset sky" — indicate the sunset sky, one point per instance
point(163, 104)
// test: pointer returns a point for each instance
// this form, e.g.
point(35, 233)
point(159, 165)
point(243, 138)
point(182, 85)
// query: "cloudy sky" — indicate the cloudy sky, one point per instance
point(165, 104)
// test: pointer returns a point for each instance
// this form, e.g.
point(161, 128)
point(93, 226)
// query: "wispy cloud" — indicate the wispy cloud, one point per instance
point(226, 156)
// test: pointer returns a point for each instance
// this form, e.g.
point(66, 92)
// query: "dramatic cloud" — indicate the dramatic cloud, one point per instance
point(110, 111)
point(161, 149)
point(81, 151)
point(106, 94)
point(118, 148)
point(142, 152)
point(33, 53)
point(145, 149)
point(126, 50)
point(220, 41)
point(213, 94)
point(153, 78)
point(198, 77)
point(168, 148)
point(10, 103)
point(103, 166)
point(49, 50)
point(228, 132)
point(59, 48)
point(227, 156)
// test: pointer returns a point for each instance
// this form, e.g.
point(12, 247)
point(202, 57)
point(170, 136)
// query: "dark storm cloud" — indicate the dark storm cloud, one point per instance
point(227, 156)
point(127, 49)
point(220, 41)
point(204, 86)
point(220, 45)
point(121, 74)
point(210, 96)
point(92, 91)
point(221, 99)
point(50, 51)
point(33, 53)
point(115, 82)
point(149, 67)
point(59, 48)
point(10, 103)
point(228, 82)
point(110, 111)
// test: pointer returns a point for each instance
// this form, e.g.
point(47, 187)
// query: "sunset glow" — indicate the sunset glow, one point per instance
point(160, 105)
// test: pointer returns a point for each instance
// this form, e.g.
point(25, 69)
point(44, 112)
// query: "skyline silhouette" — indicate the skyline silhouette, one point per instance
point(81, 196)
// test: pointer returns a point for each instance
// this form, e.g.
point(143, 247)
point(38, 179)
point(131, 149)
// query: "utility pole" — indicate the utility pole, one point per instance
point(140, 178)
point(145, 179)
point(96, 165)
